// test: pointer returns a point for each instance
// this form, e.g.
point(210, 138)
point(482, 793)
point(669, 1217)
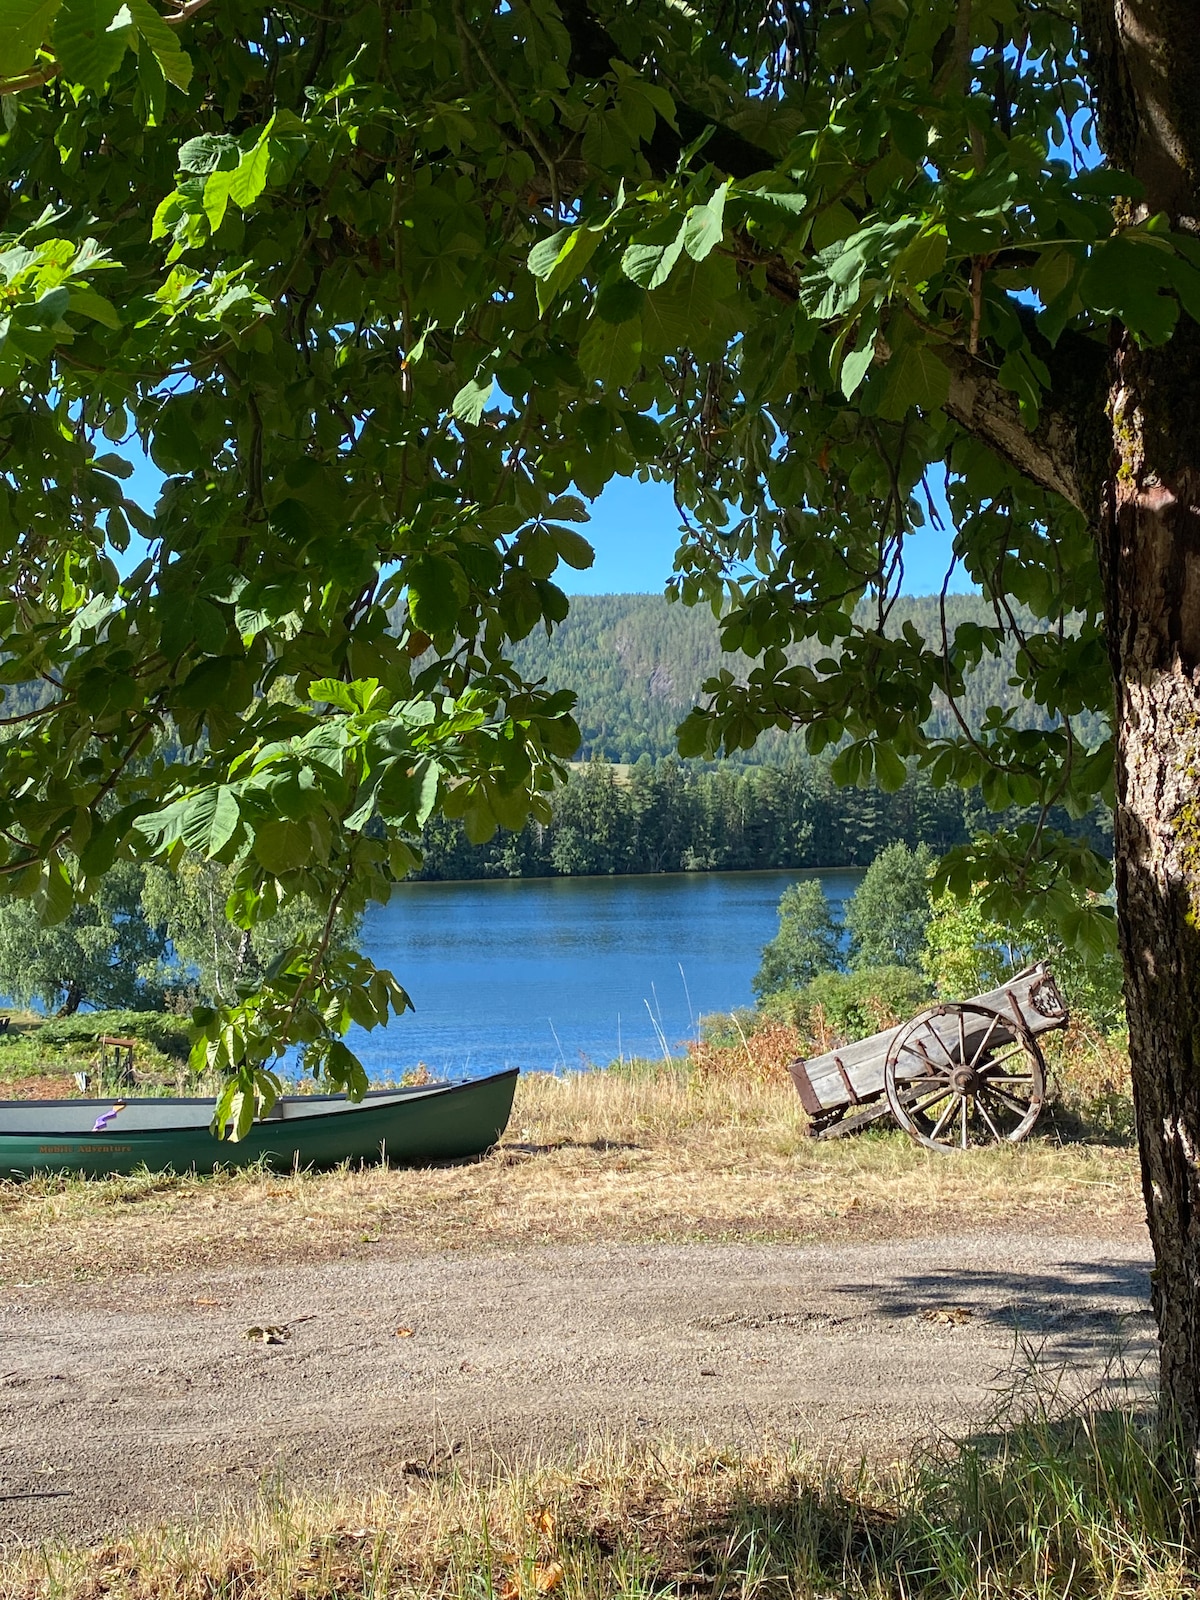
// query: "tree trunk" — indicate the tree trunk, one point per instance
point(1145, 63)
point(1152, 559)
point(72, 1001)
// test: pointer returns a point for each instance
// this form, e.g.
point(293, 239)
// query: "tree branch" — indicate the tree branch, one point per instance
point(1046, 455)
point(593, 50)
point(981, 405)
point(39, 76)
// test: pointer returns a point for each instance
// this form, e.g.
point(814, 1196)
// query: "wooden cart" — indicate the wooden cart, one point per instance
point(958, 1075)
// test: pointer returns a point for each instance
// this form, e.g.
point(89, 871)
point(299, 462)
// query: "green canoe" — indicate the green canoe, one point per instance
point(445, 1122)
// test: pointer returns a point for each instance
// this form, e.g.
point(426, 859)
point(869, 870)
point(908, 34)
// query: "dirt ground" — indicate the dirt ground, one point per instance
point(133, 1399)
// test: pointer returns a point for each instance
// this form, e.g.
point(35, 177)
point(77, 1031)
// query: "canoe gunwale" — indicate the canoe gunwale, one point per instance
point(419, 1093)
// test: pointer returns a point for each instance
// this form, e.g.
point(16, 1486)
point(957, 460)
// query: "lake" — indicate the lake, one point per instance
point(558, 973)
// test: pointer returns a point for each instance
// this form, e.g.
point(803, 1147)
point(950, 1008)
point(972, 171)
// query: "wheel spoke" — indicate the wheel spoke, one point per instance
point(1000, 1110)
point(982, 1050)
point(926, 1069)
point(1011, 1100)
point(983, 1112)
point(922, 1106)
point(942, 1122)
point(998, 1061)
point(964, 1122)
point(962, 1037)
point(945, 1048)
point(1008, 1077)
point(929, 1031)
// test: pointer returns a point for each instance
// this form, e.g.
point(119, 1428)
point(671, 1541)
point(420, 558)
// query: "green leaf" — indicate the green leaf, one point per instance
point(573, 548)
point(24, 25)
point(209, 820)
point(436, 591)
point(216, 195)
point(705, 227)
point(332, 691)
point(650, 264)
point(471, 400)
point(1108, 183)
point(87, 51)
point(855, 368)
point(619, 300)
point(889, 769)
point(611, 353)
point(1186, 280)
point(207, 152)
point(559, 260)
point(55, 895)
point(406, 796)
point(343, 1067)
point(916, 376)
point(547, 253)
point(249, 177)
point(173, 61)
point(1129, 276)
point(283, 846)
point(90, 304)
point(153, 86)
point(774, 202)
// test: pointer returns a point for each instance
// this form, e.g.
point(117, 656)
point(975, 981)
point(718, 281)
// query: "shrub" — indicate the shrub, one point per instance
point(757, 1054)
point(888, 913)
point(839, 1007)
point(165, 1033)
point(808, 941)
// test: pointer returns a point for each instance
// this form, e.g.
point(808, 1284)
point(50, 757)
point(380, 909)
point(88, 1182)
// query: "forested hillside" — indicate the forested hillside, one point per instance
point(637, 664)
point(673, 816)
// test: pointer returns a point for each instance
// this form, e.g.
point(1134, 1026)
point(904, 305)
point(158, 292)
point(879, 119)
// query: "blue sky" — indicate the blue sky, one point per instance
point(635, 530)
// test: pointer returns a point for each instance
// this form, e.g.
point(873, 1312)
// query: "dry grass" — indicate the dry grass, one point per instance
point(1067, 1506)
point(668, 1154)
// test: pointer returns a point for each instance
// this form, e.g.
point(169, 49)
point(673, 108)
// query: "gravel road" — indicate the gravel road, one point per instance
point(143, 1398)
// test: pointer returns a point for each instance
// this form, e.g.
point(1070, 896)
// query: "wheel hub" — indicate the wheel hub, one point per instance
point(964, 1080)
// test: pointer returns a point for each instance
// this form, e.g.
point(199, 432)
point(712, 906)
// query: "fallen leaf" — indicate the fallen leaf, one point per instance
point(947, 1316)
point(369, 1238)
point(268, 1335)
point(546, 1579)
point(404, 1333)
point(544, 1521)
point(205, 1300)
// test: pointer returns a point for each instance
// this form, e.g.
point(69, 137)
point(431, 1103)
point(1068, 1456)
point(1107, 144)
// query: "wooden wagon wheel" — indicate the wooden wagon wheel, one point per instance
point(980, 1081)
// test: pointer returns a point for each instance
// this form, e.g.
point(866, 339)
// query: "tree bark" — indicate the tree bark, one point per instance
point(72, 1001)
point(1145, 61)
point(1151, 540)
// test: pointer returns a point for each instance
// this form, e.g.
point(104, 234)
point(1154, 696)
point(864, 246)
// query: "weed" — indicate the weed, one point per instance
point(1055, 1505)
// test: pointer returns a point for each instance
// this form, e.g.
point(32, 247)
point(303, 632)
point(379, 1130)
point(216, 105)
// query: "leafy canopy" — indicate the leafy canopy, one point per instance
point(889, 911)
point(808, 942)
point(388, 292)
point(106, 954)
